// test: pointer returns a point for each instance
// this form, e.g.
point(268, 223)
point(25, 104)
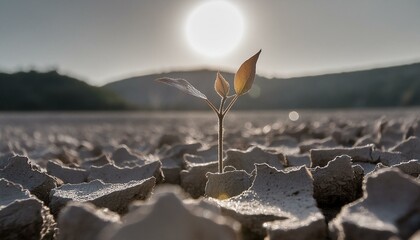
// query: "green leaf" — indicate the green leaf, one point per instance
point(182, 85)
point(221, 85)
point(244, 77)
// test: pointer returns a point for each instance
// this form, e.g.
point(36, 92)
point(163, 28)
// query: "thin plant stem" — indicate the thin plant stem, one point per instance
point(220, 144)
point(220, 135)
point(212, 106)
point(230, 105)
point(220, 115)
point(222, 104)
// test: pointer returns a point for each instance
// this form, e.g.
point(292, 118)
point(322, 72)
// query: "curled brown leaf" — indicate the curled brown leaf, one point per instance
point(244, 77)
point(221, 85)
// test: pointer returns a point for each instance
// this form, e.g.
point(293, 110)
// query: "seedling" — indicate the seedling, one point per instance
point(244, 78)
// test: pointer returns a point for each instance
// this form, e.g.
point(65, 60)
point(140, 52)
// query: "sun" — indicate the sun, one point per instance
point(214, 28)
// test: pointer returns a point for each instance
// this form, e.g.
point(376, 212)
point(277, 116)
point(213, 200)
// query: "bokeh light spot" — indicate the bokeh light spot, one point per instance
point(293, 116)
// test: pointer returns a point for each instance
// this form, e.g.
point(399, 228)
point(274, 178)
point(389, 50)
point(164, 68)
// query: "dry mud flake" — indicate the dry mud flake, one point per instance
point(411, 167)
point(365, 140)
point(96, 161)
point(307, 145)
point(390, 133)
point(209, 154)
point(166, 217)
point(171, 169)
point(22, 215)
point(83, 221)
point(21, 171)
point(66, 174)
point(389, 209)
point(123, 156)
point(278, 204)
point(389, 158)
point(179, 150)
point(298, 160)
point(320, 157)
point(113, 174)
point(115, 196)
point(337, 183)
point(410, 148)
point(227, 184)
point(5, 158)
point(348, 134)
point(193, 180)
point(245, 160)
point(194, 159)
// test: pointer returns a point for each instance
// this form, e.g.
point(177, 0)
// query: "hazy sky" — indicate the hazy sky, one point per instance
point(105, 40)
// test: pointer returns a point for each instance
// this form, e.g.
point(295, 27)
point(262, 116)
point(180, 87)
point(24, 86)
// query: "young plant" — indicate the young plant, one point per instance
point(244, 78)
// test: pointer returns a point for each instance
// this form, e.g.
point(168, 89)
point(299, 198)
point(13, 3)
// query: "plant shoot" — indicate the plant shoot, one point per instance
point(243, 80)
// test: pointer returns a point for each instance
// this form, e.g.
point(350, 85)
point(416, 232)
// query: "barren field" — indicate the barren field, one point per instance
point(339, 174)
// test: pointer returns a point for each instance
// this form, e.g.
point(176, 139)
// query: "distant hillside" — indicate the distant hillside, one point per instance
point(383, 87)
point(145, 93)
point(52, 91)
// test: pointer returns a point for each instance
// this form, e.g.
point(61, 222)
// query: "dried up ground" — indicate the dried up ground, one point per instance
point(349, 174)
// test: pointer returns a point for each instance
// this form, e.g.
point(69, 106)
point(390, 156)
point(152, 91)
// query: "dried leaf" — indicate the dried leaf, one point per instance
point(221, 85)
point(244, 77)
point(182, 85)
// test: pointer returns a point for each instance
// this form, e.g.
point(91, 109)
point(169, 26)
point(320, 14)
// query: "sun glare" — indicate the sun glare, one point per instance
point(214, 28)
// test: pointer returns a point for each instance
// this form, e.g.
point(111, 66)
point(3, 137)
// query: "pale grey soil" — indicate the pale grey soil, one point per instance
point(55, 120)
point(75, 137)
point(139, 130)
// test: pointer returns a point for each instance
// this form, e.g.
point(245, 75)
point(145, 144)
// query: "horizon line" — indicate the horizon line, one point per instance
point(72, 74)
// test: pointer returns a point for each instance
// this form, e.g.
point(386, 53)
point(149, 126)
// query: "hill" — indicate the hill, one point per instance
point(397, 86)
point(52, 91)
